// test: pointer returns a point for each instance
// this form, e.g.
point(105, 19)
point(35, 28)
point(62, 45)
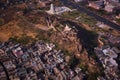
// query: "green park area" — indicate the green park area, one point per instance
point(80, 17)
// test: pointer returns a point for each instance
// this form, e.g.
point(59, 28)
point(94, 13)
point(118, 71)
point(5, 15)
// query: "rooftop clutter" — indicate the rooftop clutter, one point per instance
point(36, 61)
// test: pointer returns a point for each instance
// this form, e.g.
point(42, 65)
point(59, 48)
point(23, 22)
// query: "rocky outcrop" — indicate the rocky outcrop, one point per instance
point(78, 43)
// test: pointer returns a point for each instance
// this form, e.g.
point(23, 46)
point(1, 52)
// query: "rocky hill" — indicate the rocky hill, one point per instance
point(33, 25)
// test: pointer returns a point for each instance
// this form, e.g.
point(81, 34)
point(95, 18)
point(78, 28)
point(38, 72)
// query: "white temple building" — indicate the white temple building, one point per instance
point(67, 28)
point(58, 10)
point(52, 9)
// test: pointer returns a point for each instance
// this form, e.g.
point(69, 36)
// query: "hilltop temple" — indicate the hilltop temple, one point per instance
point(58, 10)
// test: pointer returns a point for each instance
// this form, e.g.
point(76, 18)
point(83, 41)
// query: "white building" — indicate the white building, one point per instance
point(109, 8)
point(58, 10)
point(115, 0)
point(78, 0)
point(67, 28)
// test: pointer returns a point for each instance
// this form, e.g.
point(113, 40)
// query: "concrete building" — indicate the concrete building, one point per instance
point(78, 0)
point(58, 10)
point(109, 8)
point(67, 28)
point(112, 6)
point(52, 9)
point(96, 4)
point(116, 1)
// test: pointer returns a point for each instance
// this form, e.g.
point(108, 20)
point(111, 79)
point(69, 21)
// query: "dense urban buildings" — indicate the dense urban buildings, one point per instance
point(36, 61)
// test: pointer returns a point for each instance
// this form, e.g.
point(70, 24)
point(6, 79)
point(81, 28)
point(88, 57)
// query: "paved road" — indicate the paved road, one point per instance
point(90, 13)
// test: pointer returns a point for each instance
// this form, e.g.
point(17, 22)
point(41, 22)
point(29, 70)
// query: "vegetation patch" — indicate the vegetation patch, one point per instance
point(80, 17)
point(1, 21)
point(24, 39)
point(118, 21)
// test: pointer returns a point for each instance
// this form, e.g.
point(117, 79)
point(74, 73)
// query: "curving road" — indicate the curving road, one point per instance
point(92, 14)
